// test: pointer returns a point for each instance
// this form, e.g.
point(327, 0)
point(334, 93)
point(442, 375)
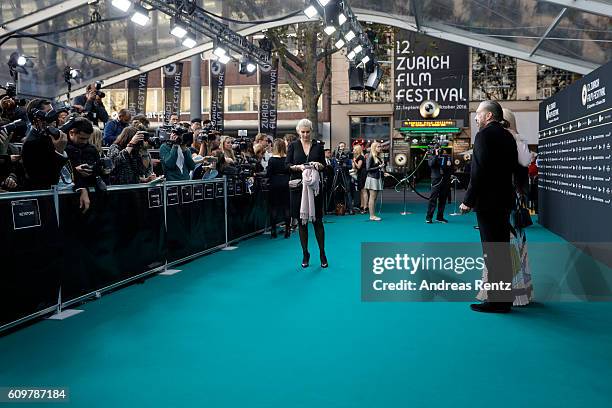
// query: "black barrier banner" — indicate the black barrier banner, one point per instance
point(173, 74)
point(219, 190)
point(26, 214)
point(209, 191)
point(187, 194)
point(137, 93)
point(172, 195)
point(431, 79)
point(198, 192)
point(155, 197)
point(268, 98)
point(217, 94)
point(231, 187)
point(31, 262)
point(575, 159)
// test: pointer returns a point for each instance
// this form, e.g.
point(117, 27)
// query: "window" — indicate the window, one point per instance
point(114, 100)
point(493, 76)
point(382, 94)
point(370, 128)
point(155, 103)
point(186, 100)
point(552, 80)
point(288, 101)
point(240, 99)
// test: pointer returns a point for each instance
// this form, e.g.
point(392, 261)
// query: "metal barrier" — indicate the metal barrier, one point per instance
point(57, 257)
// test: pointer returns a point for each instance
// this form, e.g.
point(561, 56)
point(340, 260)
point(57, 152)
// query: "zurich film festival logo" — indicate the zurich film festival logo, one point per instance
point(585, 93)
point(552, 111)
point(170, 70)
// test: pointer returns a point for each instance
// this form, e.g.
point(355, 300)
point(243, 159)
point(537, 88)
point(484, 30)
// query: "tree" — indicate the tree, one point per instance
point(300, 49)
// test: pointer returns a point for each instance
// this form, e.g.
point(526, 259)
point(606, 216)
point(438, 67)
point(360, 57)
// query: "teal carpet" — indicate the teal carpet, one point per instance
point(250, 328)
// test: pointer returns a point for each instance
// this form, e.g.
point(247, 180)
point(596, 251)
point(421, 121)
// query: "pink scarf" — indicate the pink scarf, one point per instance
point(310, 189)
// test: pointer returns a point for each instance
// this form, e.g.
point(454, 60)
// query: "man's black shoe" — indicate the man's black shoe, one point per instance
point(442, 220)
point(492, 307)
point(428, 220)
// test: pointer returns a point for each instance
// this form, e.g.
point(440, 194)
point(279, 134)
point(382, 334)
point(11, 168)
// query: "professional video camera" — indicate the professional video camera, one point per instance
point(164, 132)
point(241, 144)
point(11, 127)
point(101, 94)
point(435, 145)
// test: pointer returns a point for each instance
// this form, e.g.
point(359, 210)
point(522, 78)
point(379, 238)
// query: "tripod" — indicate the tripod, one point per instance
point(454, 182)
point(341, 180)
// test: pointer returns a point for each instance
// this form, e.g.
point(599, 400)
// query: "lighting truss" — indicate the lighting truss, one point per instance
point(197, 20)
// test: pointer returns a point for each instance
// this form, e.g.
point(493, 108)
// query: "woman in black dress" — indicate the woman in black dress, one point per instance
point(278, 178)
point(300, 152)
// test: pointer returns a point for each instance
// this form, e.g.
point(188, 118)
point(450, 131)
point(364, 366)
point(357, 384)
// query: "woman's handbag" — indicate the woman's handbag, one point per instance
point(522, 218)
point(295, 183)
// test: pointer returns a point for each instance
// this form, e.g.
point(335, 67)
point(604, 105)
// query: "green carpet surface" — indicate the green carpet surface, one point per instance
point(251, 328)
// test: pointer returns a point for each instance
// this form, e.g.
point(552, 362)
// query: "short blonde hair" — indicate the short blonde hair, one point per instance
point(510, 119)
point(303, 123)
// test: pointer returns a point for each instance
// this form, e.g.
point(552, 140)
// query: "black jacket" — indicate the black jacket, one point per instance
point(495, 160)
point(374, 170)
point(83, 154)
point(435, 164)
point(41, 162)
point(96, 112)
point(296, 155)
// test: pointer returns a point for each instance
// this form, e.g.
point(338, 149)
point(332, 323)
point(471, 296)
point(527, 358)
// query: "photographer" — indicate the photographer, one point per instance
point(114, 127)
point(11, 172)
point(441, 170)
point(43, 151)
point(11, 112)
point(175, 157)
point(343, 163)
point(84, 159)
point(126, 154)
point(91, 104)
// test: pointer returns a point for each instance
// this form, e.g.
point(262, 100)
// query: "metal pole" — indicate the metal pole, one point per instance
point(195, 86)
point(455, 180)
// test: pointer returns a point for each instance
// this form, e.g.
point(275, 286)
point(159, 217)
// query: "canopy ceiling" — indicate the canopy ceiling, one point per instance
point(575, 35)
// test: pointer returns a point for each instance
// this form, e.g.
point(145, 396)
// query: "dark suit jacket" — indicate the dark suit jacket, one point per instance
point(41, 162)
point(435, 163)
point(82, 154)
point(296, 155)
point(495, 160)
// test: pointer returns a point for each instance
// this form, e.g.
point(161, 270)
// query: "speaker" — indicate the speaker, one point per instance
point(374, 79)
point(355, 78)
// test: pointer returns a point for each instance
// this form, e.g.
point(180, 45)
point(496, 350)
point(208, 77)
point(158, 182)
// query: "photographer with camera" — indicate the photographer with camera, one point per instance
point(441, 167)
point(175, 157)
point(360, 174)
point(91, 104)
point(114, 127)
point(43, 151)
point(11, 171)
point(343, 163)
point(10, 112)
point(87, 166)
point(126, 154)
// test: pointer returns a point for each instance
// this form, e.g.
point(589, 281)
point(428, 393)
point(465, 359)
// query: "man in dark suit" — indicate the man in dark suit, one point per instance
point(441, 169)
point(490, 194)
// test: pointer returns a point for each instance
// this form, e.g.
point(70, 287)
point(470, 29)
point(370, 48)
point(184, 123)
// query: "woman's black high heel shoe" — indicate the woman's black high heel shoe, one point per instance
point(305, 260)
point(324, 263)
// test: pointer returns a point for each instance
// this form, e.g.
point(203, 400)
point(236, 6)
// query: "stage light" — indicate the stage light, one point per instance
point(311, 12)
point(75, 73)
point(224, 59)
point(340, 43)
point(365, 60)
point(178, 30)
point(219, 51)
point(358, 49)
point(350, 35)
point(323, 3)
point(329, 30)
point(189, 42)
point(140, 16)
point(246, 66)
point(351, 55)
point(21, 60)
point(123, 5)
point(341, 18)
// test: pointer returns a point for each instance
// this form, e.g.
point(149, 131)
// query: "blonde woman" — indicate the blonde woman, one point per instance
point(360, 167)
point(374, 179)
point(228, 152)
point(304, 156)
